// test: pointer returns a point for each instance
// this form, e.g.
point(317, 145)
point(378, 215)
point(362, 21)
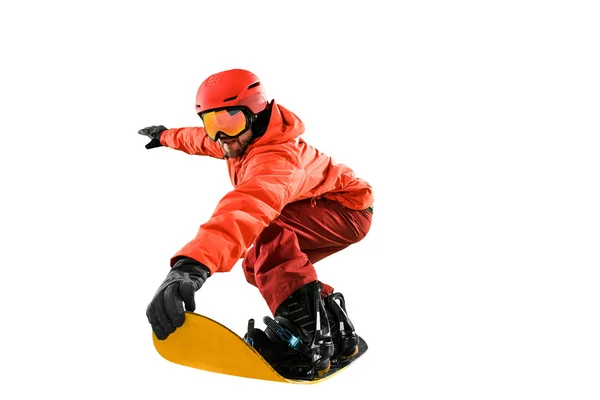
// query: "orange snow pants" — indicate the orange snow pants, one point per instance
point(282, 256)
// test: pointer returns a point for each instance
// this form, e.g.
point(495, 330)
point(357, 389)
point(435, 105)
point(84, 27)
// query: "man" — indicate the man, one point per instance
point(291, 206)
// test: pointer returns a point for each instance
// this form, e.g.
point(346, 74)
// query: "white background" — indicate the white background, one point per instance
point(476, 122)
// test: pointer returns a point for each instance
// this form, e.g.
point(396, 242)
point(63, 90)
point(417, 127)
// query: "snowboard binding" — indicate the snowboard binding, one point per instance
point(297, 341)
point(285, 350)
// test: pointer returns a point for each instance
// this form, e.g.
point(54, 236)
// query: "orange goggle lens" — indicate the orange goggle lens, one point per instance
point(229, 122)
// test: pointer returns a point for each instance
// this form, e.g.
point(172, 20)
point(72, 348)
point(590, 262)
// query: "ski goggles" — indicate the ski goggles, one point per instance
point(232, 121)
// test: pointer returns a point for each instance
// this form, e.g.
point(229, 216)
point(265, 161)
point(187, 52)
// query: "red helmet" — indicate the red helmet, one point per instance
point(235, 87)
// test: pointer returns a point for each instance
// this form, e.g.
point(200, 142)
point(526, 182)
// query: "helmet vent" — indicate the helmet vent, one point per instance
point(230, 98)
point(254, 85)
point(212, 79)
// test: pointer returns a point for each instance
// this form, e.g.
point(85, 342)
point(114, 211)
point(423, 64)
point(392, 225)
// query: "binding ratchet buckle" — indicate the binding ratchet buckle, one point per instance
point(293, 341)
point(249, 338)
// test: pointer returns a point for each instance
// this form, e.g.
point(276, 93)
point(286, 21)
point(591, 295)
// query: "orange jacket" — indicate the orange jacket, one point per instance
point(276, 169)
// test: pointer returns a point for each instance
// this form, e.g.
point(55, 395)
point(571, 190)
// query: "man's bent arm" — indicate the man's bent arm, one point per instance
point(270, 183)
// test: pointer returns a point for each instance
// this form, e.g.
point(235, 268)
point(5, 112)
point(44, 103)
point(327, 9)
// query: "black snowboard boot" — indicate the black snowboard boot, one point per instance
point(297, 343)
point(345, 340)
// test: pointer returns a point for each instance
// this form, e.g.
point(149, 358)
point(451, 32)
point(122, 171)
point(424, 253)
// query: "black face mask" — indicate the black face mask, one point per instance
point(259, 126)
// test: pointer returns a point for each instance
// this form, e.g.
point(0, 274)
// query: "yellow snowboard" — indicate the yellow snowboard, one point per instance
point(205, 344)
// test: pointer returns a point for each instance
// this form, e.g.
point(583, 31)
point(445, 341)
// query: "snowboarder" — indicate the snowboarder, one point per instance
point(291, 206)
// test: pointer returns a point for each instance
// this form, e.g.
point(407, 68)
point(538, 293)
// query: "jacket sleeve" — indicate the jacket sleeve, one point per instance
point(192, 141)
point(270, 182)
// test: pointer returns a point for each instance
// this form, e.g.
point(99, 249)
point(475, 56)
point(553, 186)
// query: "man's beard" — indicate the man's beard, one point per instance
point(239, 149)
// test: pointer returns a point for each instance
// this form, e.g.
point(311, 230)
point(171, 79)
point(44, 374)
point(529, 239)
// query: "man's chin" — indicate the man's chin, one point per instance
point(233, 153)
point(234, 149)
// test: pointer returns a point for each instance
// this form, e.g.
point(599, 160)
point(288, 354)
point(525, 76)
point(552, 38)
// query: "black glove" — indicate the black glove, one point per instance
point(165, 312)
point(153, 132)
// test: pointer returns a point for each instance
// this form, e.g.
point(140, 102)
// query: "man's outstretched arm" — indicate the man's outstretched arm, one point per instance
point(189, 140)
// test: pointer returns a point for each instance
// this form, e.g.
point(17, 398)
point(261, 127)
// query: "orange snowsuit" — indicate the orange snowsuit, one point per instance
point(276, 169)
